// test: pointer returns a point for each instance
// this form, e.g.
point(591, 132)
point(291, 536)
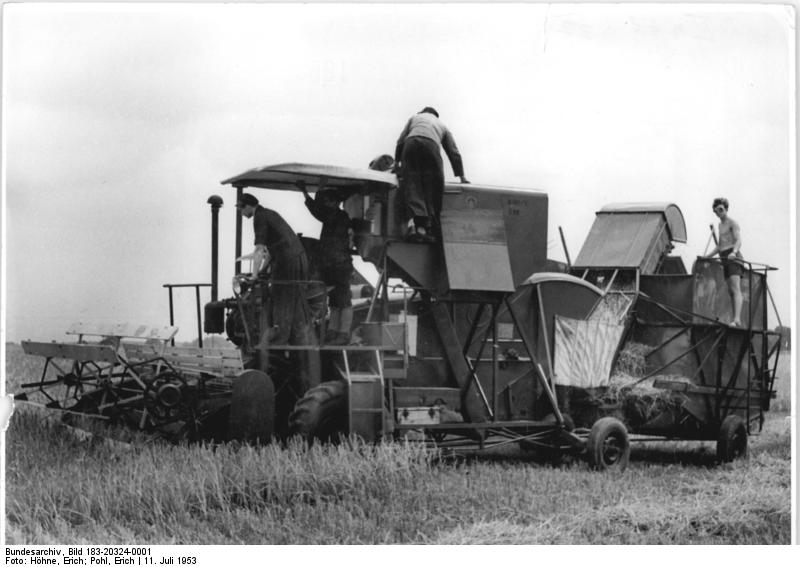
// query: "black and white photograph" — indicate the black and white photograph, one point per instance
point(381, 274)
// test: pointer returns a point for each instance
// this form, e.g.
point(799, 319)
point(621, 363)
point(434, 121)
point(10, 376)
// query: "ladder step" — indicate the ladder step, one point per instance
point(395, 367)
point(394, 373)
point(518, 359)
point(364, 376)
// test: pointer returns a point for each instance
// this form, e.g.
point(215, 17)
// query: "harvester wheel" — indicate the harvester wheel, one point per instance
point(321, 413)
point(732, 439)
point(608, 446)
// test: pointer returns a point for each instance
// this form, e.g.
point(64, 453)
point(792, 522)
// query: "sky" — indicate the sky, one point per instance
point(119, 121)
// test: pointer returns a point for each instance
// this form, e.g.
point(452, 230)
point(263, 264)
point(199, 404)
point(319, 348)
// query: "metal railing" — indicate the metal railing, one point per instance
point(196, 287)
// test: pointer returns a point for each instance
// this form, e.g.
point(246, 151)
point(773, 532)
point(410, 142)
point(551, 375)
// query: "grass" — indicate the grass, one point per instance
point(783, 383)
point(60, 489)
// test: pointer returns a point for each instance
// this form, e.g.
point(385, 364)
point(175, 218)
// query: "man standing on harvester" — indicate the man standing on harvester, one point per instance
point(730, 242)
point(278, 246)
point(334, 261)
point(420, 169)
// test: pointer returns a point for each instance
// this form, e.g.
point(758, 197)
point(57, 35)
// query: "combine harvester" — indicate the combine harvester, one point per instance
point(473, 342)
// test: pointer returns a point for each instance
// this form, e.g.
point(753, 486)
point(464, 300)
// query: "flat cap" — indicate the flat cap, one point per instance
point(247, 200)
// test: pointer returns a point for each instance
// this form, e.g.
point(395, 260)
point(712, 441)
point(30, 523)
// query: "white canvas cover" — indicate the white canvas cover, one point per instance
point(584, 351)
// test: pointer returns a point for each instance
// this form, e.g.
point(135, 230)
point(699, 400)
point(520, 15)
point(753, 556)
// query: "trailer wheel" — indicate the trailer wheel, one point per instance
point(321, 413)
point(732, 440)
point(608, 446)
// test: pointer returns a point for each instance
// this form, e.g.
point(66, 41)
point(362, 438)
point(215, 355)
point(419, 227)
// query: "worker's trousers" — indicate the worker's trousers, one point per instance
point(291, 318)
point(422, 182)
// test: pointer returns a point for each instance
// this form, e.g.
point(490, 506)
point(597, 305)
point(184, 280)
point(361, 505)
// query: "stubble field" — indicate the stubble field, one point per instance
point(63, 490)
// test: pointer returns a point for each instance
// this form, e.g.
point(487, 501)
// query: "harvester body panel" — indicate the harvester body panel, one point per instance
point(473, 238)
point(631, 237)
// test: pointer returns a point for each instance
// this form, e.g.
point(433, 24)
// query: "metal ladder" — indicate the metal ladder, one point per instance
point(366, 411)
point(370, 412)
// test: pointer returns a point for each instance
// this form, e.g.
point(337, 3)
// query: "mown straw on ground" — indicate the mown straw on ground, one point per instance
point(61, 489)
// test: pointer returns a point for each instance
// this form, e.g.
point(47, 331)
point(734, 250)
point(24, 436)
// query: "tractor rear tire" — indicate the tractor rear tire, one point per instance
point(252, 411)
point(732, 439)
point(608, 447)
point(321, 414)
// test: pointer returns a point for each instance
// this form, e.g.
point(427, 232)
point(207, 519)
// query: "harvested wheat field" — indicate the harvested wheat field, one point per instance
point(67, 490)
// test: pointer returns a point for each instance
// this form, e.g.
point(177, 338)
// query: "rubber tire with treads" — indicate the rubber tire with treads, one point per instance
point(321, 414)
point(732, 439)
point(252, 411)
point(608, 446)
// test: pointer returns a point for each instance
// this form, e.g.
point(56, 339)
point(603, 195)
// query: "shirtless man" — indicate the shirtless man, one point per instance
point(730, 241)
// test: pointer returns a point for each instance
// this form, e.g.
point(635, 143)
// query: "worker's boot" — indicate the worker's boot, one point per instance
point(339, 339)
point(345, 322)
point(422, 230)
point(340, 322)
point(333, 326)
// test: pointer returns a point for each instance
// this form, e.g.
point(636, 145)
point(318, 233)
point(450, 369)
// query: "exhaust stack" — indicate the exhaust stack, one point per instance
point(216, 202)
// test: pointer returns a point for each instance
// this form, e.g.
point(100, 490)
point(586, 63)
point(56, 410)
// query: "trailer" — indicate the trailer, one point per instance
point(699, 377)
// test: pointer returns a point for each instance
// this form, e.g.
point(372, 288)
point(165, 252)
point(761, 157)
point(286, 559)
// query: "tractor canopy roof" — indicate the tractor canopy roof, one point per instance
point(348, 180)
point(286, 176)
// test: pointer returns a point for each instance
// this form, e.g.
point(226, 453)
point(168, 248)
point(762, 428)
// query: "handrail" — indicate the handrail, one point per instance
point(196, 287)
point(761, 266)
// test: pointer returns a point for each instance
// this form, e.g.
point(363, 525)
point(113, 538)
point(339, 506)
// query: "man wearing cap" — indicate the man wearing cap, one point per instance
point(419, 165)
point(277, 245)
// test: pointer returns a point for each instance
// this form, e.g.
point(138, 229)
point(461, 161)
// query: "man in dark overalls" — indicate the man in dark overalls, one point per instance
point(419, 166)
point(334, 261)
point(276, 244)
